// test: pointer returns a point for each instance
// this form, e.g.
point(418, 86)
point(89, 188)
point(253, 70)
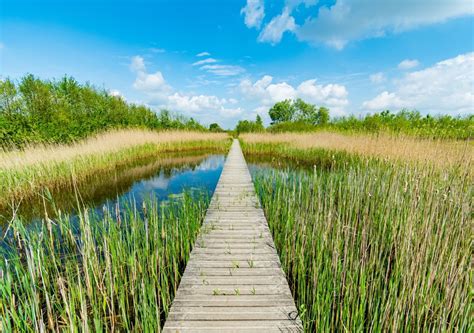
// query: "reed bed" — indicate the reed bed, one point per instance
point(25, 172)
point(442, 153)
point(114, 271)
point(371, 244)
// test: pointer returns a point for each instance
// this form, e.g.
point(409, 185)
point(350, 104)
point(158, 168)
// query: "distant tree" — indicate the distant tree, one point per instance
point(323, 116)
point(298, 111)
point(214, 127)
point(8, 97)
point(282, 111)
point(245, 126)
point(305, 112)
point(165, 119)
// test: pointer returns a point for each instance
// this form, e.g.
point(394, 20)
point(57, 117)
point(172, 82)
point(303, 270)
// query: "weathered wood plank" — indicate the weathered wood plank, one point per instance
point(233, 281)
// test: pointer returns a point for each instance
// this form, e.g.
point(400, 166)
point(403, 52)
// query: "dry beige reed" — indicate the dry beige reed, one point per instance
point(439, 152)
point(104, 143)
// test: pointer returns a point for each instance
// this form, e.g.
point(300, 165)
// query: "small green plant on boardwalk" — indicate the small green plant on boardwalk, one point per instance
point(114, 272)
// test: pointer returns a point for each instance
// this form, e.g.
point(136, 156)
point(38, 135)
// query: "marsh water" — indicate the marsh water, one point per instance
point(161, 177)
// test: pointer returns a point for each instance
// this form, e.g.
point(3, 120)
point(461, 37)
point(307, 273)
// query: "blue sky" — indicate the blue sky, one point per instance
point(229, 60)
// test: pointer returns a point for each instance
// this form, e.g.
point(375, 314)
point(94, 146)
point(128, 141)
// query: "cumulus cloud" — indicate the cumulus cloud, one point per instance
point(273, 31)
point(266, 93)
point(377, 77)
point(445, 87)
point(205, 61)
point(253, 12)
point(203, 54)
point(150, 83)
point(162, 95)
point(408, 64)
point(201, 103)
point(383, 101)
point(349, 20)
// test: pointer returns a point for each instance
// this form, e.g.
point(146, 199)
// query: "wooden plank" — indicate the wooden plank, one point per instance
point(233, 281)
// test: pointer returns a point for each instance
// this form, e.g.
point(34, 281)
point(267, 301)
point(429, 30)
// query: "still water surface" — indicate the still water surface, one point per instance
point(163, 178)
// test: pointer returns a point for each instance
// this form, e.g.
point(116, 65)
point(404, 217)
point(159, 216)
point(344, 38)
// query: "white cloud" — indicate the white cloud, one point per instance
point(377, 77)
point(266, 93)
point(254, 12)
point(273, 31)
point(281, 91)
point(333, 95)
point(383, 101)
point(137, 64)
point(408, 64)
point(203, 54)
point(205, 61)
point(150, 83)
point(223, 70)
point(160, 94)
point(446, 87)
point(349, 20)
point(192, 104)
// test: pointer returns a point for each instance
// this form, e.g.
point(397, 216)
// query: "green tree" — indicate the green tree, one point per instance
point(305, 112)
point(282, 111)
point(323, 116)
point(214, 127)
point(36, 111)
point(9, 102)
point(245, 126)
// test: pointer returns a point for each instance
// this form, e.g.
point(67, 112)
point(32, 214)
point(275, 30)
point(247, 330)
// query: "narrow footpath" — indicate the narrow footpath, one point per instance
point(233, 281)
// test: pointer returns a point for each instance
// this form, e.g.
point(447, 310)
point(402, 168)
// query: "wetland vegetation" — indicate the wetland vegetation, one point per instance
point(373, 226)
point(116, 271)
point(371, 237)
point(115, 217)
point(28, 171)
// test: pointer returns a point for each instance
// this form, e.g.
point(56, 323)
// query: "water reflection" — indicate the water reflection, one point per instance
point(161, 177)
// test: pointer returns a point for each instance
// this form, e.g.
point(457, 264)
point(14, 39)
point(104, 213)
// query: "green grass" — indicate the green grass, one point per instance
point(371, 245)
point(118, 272)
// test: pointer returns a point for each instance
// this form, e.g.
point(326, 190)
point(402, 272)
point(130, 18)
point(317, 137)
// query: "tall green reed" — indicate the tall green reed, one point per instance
point(373, 246)
point(117, 270)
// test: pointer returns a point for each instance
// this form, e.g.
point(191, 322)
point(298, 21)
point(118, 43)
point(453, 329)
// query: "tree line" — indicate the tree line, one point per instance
point(63, 111)
point(300, 116)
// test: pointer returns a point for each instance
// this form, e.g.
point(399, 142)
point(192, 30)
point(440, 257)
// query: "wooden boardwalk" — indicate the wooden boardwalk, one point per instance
point(233, 281)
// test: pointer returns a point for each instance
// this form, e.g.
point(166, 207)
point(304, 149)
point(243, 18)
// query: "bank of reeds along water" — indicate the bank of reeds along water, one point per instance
point(443, 153)
point(371, 244)
point(28, 171)
point(114, 272)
